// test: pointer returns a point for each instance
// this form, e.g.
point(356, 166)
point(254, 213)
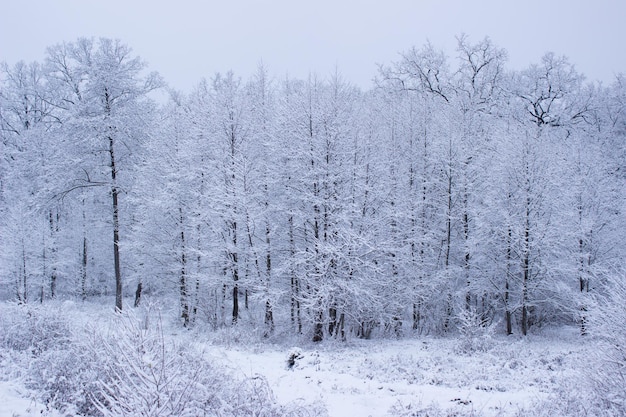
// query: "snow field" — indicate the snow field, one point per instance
point(376, 378)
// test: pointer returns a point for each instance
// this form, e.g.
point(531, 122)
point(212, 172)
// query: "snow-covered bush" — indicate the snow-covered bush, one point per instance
point(476, 333)
point(68, 379)
point(50, 356)
point(608, 325)
point(146, 375)
point(33, 328)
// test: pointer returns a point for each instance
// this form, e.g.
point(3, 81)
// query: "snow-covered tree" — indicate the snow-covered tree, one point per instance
point(105, 90)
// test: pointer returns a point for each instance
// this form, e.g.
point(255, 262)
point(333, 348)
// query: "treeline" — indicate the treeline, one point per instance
point(453, 186)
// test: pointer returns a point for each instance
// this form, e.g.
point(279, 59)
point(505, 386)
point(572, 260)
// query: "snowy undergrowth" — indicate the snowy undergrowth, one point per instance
point(85, 360)
point(59, 358)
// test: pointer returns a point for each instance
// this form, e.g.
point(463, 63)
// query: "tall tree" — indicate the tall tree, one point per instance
point(106, 91)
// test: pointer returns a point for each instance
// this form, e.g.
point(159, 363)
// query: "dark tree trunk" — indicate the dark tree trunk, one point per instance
point(509, 324)
point(194, 310)
point(342, 332)
point(223, 305)
point(138, 295)
point(466, 265)
point(53, 274)
point(83, 270)
point(417, 314)
point(235, 304)
point(509, 327)
point(116, 232)
point(116, 218)
point(332, 318)
point(318, 327)
point(235, 272)
point(269, 319)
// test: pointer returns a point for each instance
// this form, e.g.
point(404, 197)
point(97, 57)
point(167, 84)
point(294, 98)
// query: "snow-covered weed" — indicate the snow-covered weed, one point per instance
point(564, 404)
point(240, 334)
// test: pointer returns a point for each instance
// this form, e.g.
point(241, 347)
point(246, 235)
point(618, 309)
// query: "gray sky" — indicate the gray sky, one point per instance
point(186, 40)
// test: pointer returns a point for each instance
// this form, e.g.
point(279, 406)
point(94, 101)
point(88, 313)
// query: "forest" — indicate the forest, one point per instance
point(453, 193)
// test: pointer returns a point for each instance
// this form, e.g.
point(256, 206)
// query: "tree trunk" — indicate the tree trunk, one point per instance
point(53, 274)
point(295, 285)
point(138, 295)
point(83, 267)
point(22, 282)
point(582, 272)
point(417, 314)
point(342, 331)
point(269, 319)
point(116, 231)
point(43, 275)
point(184, 295)
point(235, 272)
point(449, 309)
point(509, 325)
point(269, 314)
point(467, 257)
point(83, 270)
point(526, 270)
point(318, 327)
point(332, 320)
point(507, 313)
point(235, 304)
point(116, 219)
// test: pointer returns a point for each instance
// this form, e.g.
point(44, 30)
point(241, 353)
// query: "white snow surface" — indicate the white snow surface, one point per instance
point(17, 401)
point(373, 377)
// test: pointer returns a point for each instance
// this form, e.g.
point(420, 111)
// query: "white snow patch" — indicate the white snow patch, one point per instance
point(17, 401)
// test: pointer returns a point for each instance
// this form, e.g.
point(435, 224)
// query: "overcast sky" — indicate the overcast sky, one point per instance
point(186, 40)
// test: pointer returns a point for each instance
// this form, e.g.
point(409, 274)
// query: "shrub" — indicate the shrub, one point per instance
point(607, 325)
point(476, 332)
point(33, 328)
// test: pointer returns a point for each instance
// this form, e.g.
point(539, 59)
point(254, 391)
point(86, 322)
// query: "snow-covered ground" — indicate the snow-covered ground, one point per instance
point(17, 401)
point(372, 378)
point(379, 377)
